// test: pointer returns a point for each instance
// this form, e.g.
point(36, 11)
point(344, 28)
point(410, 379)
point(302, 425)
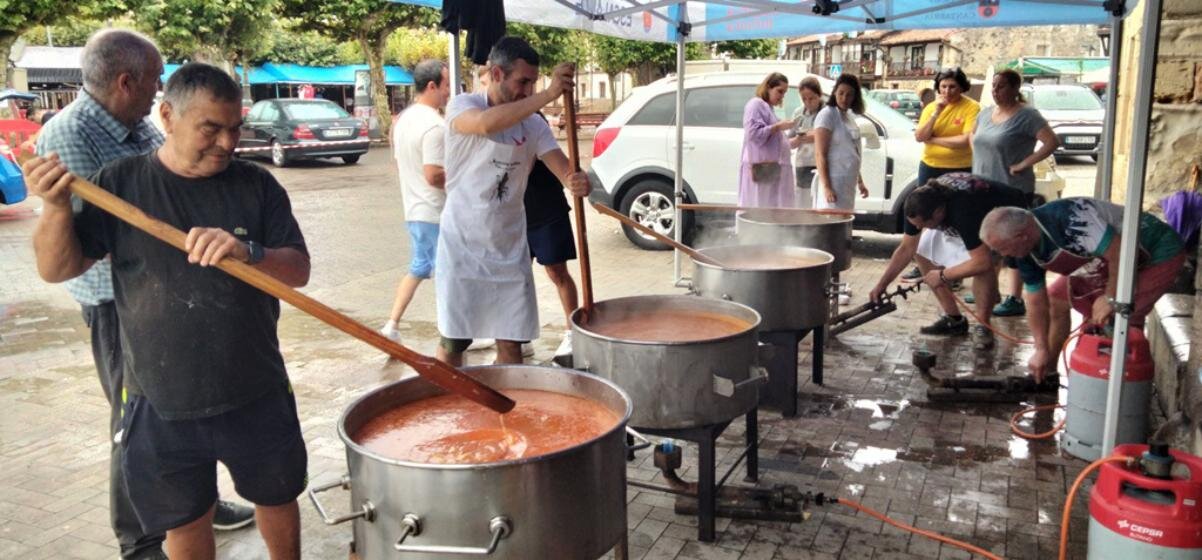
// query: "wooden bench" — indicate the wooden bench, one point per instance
point(585, 119)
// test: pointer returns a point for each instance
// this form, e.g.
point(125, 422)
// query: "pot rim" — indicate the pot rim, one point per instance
point(829, 259)
point(350, 443)
point(826, 219)
point(759, 319)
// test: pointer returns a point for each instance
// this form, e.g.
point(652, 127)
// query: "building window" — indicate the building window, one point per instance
point(601, 90)
point(918, 54)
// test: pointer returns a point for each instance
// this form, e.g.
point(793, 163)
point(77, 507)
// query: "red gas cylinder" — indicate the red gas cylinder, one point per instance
point(1147, 511)
point(1088, 380)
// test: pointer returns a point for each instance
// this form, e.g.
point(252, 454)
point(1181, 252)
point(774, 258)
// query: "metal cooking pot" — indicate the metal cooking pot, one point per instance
point(791, 297)
point(675, 384)
point(569, 504)
point(767, 226)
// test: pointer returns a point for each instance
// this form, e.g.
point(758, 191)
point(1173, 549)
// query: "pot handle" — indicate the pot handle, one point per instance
point(411, 526)
point(726, 388)
point(643, 442)
point(367, 512)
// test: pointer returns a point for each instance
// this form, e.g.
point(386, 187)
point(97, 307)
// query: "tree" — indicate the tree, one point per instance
point(753, 48)
point(367, 22)
point(555, 45)
point(19, 16)
point(69, 32)
point(310, 48)
point(227, 32)
point(649, 61)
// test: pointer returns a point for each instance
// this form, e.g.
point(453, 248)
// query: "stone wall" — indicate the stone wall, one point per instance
point(1175, 139)
point(983, 47)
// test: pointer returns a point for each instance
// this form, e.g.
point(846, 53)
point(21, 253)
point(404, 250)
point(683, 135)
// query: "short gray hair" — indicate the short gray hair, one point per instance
point(112, 52)
point(428, 72)
point(194, 77)
point(1006, 222)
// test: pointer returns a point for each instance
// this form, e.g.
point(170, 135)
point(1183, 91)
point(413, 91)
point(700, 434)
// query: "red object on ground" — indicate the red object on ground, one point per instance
point(1158, 512)
point(15, 132)
point(1091, 357)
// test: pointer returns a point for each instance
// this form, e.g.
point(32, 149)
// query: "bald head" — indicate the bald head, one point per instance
point(110, 53)
point(1011, 231)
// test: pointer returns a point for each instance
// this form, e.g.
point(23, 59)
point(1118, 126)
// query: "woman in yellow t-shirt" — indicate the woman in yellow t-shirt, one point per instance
point(944, 127)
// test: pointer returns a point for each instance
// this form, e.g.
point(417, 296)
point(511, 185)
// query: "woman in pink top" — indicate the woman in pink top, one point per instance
point(765, 174)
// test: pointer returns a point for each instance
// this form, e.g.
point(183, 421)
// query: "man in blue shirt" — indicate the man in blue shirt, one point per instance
point(1079, 239)
point(107, 122)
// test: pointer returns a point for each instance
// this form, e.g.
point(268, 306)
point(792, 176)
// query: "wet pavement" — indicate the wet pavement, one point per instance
point(868, 434)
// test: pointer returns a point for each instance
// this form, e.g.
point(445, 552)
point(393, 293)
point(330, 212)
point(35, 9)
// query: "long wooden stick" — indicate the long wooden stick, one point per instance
point(734, 208)
point(586, 270)
point(691, 252)
point(436, 371)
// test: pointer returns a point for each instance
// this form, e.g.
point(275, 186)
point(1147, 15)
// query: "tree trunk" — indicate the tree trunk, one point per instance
point(373, 48)
point(7, 40)
point(613, 91)
point(246, 79)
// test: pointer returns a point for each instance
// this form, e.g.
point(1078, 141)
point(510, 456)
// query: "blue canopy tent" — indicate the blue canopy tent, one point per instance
point(258, 76)
point(343, 75)
point(681, 21)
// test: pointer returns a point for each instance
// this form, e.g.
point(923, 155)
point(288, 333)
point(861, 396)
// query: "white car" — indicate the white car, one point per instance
point(634, 151)
point(1075, 114)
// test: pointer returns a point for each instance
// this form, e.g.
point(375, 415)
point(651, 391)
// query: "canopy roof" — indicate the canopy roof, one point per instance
point(272, 73)
point(1056, 66)
point(722, 20)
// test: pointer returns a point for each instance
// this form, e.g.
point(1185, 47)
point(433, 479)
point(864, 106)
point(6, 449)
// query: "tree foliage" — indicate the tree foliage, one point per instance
point(20, 16)
point(69, 32)
point(290, 44)
point(555, 45)
point(752, 48)
point(648, 61)
point(227, 32)
point(367, 22)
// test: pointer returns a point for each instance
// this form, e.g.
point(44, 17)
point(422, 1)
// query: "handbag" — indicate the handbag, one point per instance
point(765, 172)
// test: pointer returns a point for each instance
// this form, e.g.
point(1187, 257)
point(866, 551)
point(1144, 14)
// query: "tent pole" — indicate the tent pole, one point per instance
point(1124, 295)
point(678, 162)
point(1106, 162)
point(453, 69)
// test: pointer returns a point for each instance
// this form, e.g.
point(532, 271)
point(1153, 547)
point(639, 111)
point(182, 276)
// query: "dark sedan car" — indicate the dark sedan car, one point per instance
point(292, 129)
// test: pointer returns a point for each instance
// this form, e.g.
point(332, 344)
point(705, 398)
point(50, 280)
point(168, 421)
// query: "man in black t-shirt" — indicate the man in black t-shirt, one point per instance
point(205, 380)
point(951, 207)
point(549, 234)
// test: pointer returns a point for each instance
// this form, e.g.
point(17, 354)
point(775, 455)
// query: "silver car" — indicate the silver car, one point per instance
point(1075, 114)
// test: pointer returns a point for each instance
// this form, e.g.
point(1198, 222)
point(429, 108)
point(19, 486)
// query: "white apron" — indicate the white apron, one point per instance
point(843, 164)
point(483, 278)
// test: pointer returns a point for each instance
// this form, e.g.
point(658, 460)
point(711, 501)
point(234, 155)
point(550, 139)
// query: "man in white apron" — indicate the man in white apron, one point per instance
point(485, 288)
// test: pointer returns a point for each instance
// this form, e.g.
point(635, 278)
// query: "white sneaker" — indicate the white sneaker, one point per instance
point(844, 299)
point(481, 344)
point(565, 346)
point(527, 349)
point(391, 334)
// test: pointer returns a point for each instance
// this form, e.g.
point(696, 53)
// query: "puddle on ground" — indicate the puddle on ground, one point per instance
point(884, 411)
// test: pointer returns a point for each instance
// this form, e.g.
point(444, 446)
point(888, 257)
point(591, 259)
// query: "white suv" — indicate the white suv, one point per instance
point(634, 151)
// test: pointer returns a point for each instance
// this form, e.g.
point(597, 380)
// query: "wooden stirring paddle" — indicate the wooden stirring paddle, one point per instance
point(691, 252)
point(586, 271)
point(436, 371)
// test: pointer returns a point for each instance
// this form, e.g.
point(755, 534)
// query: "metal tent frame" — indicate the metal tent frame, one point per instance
point(750, 19)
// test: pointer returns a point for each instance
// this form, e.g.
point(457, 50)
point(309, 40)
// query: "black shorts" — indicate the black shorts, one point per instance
point(552, 242)
point(171, 465)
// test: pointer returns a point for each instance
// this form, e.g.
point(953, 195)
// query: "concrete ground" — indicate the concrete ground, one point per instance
point(868, 434)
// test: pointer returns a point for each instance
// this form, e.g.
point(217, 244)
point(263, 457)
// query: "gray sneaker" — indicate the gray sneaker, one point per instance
point(947, 325)
point(982, 338)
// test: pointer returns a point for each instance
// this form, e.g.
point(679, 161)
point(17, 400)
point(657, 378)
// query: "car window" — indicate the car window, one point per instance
point(1065, 99)
point(789, 107)
point(309, 111)
point(897, 124)
point(256, 112)
point(271, 113)
point(660, 111)
point(717, 106)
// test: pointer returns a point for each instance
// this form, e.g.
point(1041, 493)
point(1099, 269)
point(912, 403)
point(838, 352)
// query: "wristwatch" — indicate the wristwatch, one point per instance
point(256, 252)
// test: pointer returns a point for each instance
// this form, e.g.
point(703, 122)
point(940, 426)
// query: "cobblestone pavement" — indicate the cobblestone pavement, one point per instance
point(868, 434)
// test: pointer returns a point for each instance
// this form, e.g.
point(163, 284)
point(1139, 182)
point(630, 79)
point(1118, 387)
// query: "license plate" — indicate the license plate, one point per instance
point(338, 132)
point(1079, 140)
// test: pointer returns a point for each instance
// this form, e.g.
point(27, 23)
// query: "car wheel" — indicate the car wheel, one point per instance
point(279, 157)
point(350, 159)
point(651, 202)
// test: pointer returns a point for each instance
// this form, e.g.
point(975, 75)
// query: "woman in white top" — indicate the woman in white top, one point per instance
point(803, 158)
point(837, 147)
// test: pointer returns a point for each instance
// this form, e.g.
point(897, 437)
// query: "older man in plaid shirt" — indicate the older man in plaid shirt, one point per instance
point(107, 122)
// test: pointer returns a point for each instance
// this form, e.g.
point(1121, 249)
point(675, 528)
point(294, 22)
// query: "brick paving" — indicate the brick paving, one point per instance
point(867, 434)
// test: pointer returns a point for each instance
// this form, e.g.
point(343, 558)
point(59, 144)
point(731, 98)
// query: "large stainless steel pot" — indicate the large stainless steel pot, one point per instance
point(570, 504)
point(788, 297)
point(767, 226)
point(675, 384)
